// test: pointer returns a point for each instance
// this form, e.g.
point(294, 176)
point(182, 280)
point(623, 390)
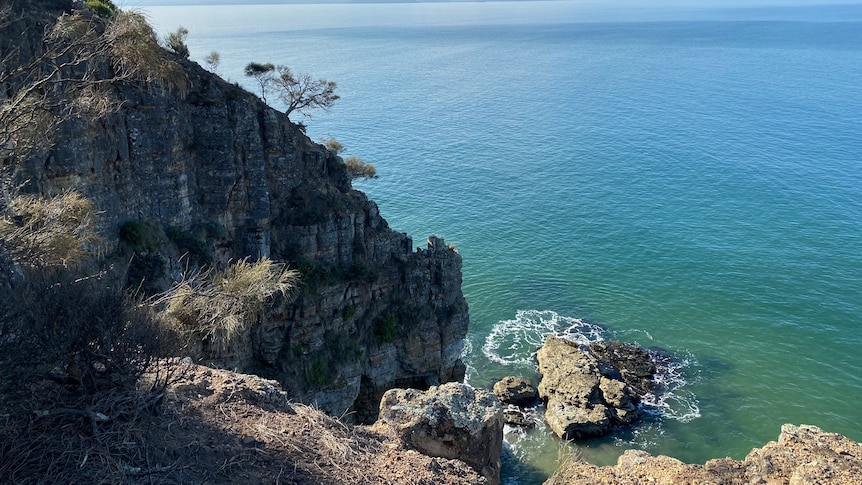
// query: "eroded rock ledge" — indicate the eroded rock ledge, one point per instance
point(802, 455)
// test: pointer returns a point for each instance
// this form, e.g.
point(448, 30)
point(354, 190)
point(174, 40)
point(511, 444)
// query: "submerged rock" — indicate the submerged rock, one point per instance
point(587, 395)
point(802, 455)
point(452, 421)
point(515, 416)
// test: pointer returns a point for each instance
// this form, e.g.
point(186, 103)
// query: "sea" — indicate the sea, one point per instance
point(686, 176)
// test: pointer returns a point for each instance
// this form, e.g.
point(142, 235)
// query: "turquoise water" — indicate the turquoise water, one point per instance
point(689, 179)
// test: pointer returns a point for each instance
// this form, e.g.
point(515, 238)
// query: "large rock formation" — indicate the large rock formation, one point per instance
point(802, 455)
point(219, 175)
point(585, 395)
point(452, 421)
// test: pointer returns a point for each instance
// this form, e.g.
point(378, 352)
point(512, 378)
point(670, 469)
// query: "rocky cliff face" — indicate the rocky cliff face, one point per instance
point(224, 177)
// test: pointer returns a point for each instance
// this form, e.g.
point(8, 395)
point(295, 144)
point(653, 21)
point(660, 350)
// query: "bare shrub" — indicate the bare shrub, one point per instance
point(85, 332)
point(216, 306)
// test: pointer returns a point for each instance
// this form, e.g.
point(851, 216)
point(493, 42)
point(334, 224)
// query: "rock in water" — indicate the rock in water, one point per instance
point(516, 390)
point(585, 396)
point(450, 421)
point(633, 364)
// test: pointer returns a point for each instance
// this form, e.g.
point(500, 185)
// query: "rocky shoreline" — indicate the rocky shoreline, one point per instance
point(802, 455)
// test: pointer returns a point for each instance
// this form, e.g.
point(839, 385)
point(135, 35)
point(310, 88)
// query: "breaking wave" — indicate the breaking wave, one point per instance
point(669, 399)
point(513, 342)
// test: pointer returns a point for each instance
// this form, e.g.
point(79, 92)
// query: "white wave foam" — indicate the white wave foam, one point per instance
point(669, 399)
point(513, 342)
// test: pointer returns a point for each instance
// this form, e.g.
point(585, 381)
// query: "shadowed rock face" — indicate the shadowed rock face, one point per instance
point(630, 363)
point(449, 421)
point(802, 455)
point(372, 313)
point(516, 391)
point(584, 395)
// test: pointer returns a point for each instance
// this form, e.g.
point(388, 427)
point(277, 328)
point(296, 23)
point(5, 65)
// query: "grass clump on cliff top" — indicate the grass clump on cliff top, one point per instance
point(216, 306)
point(102, 8)
point(357, 168)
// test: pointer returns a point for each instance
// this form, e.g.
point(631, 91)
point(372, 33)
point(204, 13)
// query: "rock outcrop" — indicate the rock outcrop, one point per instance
point(449, 421)
point(802, 455)
point(584, 395)
point(629, 363)
point(218, 175)
point(516, 391)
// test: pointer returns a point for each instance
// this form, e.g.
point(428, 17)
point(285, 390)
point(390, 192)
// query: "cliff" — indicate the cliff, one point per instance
point(218, 175)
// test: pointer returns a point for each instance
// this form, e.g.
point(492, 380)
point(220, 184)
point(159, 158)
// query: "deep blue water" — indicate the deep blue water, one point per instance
point(684, 178)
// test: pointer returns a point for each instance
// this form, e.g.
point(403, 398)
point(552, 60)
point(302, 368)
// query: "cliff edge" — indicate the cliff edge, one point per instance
point(217, 175)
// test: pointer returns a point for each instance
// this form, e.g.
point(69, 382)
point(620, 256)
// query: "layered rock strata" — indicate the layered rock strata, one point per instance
point(802, 455)
point(585, 395)
point(218, 175)
point(452, 421)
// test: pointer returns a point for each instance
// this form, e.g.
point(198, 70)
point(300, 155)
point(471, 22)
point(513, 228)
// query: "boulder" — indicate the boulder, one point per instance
point(584, 395)
point(516, 390)
point(452, 421)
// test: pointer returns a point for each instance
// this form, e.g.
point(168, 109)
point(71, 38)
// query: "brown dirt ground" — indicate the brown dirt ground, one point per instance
point(215, 427)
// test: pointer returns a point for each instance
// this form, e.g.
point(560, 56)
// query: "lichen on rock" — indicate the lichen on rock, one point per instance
point(448, 421)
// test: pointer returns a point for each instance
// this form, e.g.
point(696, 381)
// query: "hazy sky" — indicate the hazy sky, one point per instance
point(605, 3)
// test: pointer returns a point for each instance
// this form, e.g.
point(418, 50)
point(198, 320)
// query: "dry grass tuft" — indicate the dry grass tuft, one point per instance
point(568, 455)
point(218, 305)
point(39, 232)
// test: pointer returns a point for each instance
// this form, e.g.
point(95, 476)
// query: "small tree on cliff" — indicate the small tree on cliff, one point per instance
point(262, 73)
point(300, 93)
point(357, 168)
point(176, 41)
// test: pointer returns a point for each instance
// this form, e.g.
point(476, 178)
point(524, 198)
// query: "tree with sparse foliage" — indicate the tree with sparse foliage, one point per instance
point(176, 41)
point(212, 60)
point(302, 93)
point(262, 73)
